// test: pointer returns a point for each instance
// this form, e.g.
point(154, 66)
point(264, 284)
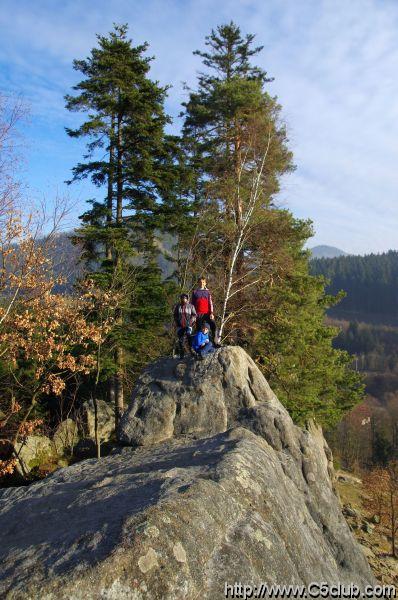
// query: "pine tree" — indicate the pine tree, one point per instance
point(128, 153)
point(293, 345)
point(238, 145)
point(252, 251)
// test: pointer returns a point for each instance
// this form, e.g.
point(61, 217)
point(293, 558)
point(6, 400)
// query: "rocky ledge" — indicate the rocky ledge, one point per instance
point(217, 486)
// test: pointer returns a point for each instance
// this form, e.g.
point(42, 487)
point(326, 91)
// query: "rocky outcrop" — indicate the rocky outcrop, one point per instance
point(199, 508)
point(173, 399)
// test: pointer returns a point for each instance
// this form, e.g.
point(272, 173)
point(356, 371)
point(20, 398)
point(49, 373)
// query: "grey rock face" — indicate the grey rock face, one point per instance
point(180, 518)
point(192, 397)
point(101, 416)
point(33, 451)
point(175, 521)
point(65, 436)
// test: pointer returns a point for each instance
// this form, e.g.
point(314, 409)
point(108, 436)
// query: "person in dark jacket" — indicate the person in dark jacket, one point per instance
point(184, 318)
point(203, 303)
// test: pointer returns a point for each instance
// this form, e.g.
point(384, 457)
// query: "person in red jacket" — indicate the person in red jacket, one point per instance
point(203, 303)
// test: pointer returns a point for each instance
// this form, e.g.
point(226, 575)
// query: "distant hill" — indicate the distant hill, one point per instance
point(371, 284)
point(66, 258)
point(327, 252)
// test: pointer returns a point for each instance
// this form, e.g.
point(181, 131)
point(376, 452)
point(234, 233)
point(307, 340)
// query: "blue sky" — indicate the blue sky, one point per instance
point(335, 64)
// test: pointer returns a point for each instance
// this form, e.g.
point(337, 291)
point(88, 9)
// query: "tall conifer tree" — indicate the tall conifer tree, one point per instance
point(234, 134)
point(128, 154)
point(251, 250)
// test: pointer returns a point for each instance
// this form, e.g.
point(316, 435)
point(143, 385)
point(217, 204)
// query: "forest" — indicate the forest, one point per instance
point(213, 190)
point(370, 283)
point(367, 318)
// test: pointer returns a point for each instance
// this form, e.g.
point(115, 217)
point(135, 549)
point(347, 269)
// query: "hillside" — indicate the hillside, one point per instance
point(370, 282)
point(368, 321)
point(66, 256)
point(324, 251)
point(371, 535)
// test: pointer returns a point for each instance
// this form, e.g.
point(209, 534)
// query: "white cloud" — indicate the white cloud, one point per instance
point(334, 64)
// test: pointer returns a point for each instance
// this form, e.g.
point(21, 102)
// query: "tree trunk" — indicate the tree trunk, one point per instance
point(109, 205)
point(119, 354)
point(239, 334)
point(109, 219)
point(97, 438)
point(392, 524)
point(111, 390)
point(238, 174)
point(119, 182)
point(119, 393)
point(33, 403)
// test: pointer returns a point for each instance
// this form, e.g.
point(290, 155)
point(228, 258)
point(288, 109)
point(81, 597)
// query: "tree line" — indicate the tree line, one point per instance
point(367, 436)
point(369, 282)
point(375, 346)
point(213, 190)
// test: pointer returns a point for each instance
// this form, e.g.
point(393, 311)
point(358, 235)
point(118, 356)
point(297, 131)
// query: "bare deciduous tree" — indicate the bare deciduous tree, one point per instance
point(236, 281)
point(381, 485)
point(13, 112)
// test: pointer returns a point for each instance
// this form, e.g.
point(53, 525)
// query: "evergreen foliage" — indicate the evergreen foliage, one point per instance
point(370, 283)
point(375, 346)
point(199, 190)
point(129, 153)
point(296, 348)
point(232, 126)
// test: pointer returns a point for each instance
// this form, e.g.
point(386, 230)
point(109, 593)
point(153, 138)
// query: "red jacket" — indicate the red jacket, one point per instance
point(202, 301)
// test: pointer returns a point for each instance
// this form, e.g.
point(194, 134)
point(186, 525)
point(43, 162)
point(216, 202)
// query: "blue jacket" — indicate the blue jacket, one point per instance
point(199, 339)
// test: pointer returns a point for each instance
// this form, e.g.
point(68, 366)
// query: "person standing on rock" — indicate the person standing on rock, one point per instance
point(203, 303)
point(184, 318)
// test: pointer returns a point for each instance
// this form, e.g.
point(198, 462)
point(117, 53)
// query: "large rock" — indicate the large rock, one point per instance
point(98, 415)
point(33, 451)
point(181, 518)
point(65, 437)
point(193, 397)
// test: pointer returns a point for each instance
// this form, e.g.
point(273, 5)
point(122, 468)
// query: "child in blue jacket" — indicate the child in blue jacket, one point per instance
point(201, 342)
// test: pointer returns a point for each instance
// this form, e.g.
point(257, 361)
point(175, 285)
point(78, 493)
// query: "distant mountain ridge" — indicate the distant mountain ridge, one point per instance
point(370, 281)
point(324, 251)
